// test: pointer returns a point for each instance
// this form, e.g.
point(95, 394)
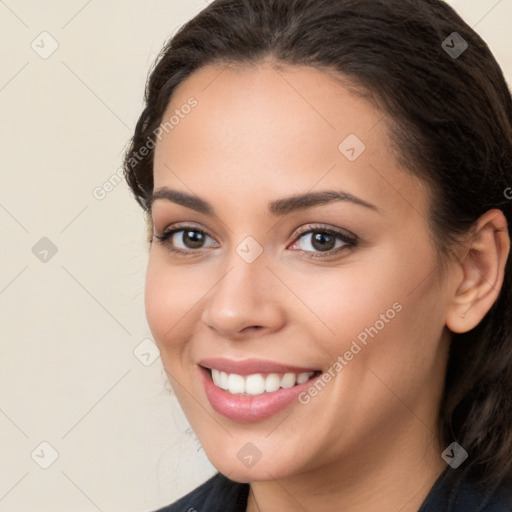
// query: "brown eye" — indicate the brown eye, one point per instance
point(322, 241)
point(192, 239)
point(183, 240)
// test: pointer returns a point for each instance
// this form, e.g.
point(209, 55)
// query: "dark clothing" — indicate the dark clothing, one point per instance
point(219, 494)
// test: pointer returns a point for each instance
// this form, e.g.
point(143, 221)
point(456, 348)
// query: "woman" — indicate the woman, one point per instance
point(329, 280)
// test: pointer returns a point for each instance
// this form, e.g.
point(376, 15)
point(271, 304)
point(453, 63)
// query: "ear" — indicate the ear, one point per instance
point(483, 267)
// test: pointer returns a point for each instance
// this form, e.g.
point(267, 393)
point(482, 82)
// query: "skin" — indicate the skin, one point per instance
point(369, 439)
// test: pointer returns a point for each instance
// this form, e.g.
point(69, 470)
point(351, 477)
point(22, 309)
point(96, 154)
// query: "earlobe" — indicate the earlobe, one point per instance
point(482, 266)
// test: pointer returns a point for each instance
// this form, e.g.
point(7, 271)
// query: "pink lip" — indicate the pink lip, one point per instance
point(246, 408)
point(250, 366)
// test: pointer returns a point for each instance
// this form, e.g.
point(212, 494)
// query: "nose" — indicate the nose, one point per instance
point(245, 303)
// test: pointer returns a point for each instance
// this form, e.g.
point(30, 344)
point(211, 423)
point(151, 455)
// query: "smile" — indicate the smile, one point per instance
point(257, 383)
point(252, 390)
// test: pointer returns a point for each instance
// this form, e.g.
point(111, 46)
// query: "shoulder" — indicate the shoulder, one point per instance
point(218, 494)
point(464, 495)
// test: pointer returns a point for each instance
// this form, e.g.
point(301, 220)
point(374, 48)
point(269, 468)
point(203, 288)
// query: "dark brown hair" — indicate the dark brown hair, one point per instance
point(450, 121)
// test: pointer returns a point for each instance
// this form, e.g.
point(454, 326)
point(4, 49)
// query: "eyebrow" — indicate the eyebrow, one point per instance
point(278, 207)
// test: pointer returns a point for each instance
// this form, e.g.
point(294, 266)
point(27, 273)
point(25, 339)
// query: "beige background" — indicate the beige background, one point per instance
point(74, 344)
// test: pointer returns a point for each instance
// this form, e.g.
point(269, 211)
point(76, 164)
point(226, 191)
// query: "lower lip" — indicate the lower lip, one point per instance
point(245, 408)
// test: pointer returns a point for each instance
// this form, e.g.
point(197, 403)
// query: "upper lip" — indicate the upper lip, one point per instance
point(251, 366)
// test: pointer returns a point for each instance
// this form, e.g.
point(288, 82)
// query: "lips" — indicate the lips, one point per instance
point(252, 390)
point(251, 366)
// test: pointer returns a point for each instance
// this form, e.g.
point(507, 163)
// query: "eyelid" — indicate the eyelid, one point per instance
point(183, 226)
point(172, 229)
point(322, 227)
point(348, 238)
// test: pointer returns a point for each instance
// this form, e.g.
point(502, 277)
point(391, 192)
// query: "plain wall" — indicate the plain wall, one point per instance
point(72, 323)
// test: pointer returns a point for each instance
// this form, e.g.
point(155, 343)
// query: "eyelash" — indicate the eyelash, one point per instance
point(349, 241)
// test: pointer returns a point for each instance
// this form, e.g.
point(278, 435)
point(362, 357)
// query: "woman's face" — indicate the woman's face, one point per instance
point(305, 272)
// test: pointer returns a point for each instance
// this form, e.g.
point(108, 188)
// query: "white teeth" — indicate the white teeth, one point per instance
point(224, 380)
point(257, 384)
point(272, 382)
point(288, 380)
point(236, 384)
point(303, 377)
point(220, 378)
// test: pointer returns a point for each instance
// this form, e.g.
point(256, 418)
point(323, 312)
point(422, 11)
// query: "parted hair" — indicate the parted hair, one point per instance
point(450, 124)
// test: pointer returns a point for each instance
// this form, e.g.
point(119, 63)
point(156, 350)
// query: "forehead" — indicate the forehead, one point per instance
point(273, 129)
point(296, 103)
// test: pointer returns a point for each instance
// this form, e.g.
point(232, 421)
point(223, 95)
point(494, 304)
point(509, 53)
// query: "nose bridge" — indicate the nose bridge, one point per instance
point(244, 296)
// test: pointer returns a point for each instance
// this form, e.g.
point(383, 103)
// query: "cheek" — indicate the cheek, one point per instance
point(344, 301)
point(391, 304)
point(171, 295)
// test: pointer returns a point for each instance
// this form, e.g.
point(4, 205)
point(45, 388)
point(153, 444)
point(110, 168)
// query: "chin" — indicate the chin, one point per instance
point(241, 461)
